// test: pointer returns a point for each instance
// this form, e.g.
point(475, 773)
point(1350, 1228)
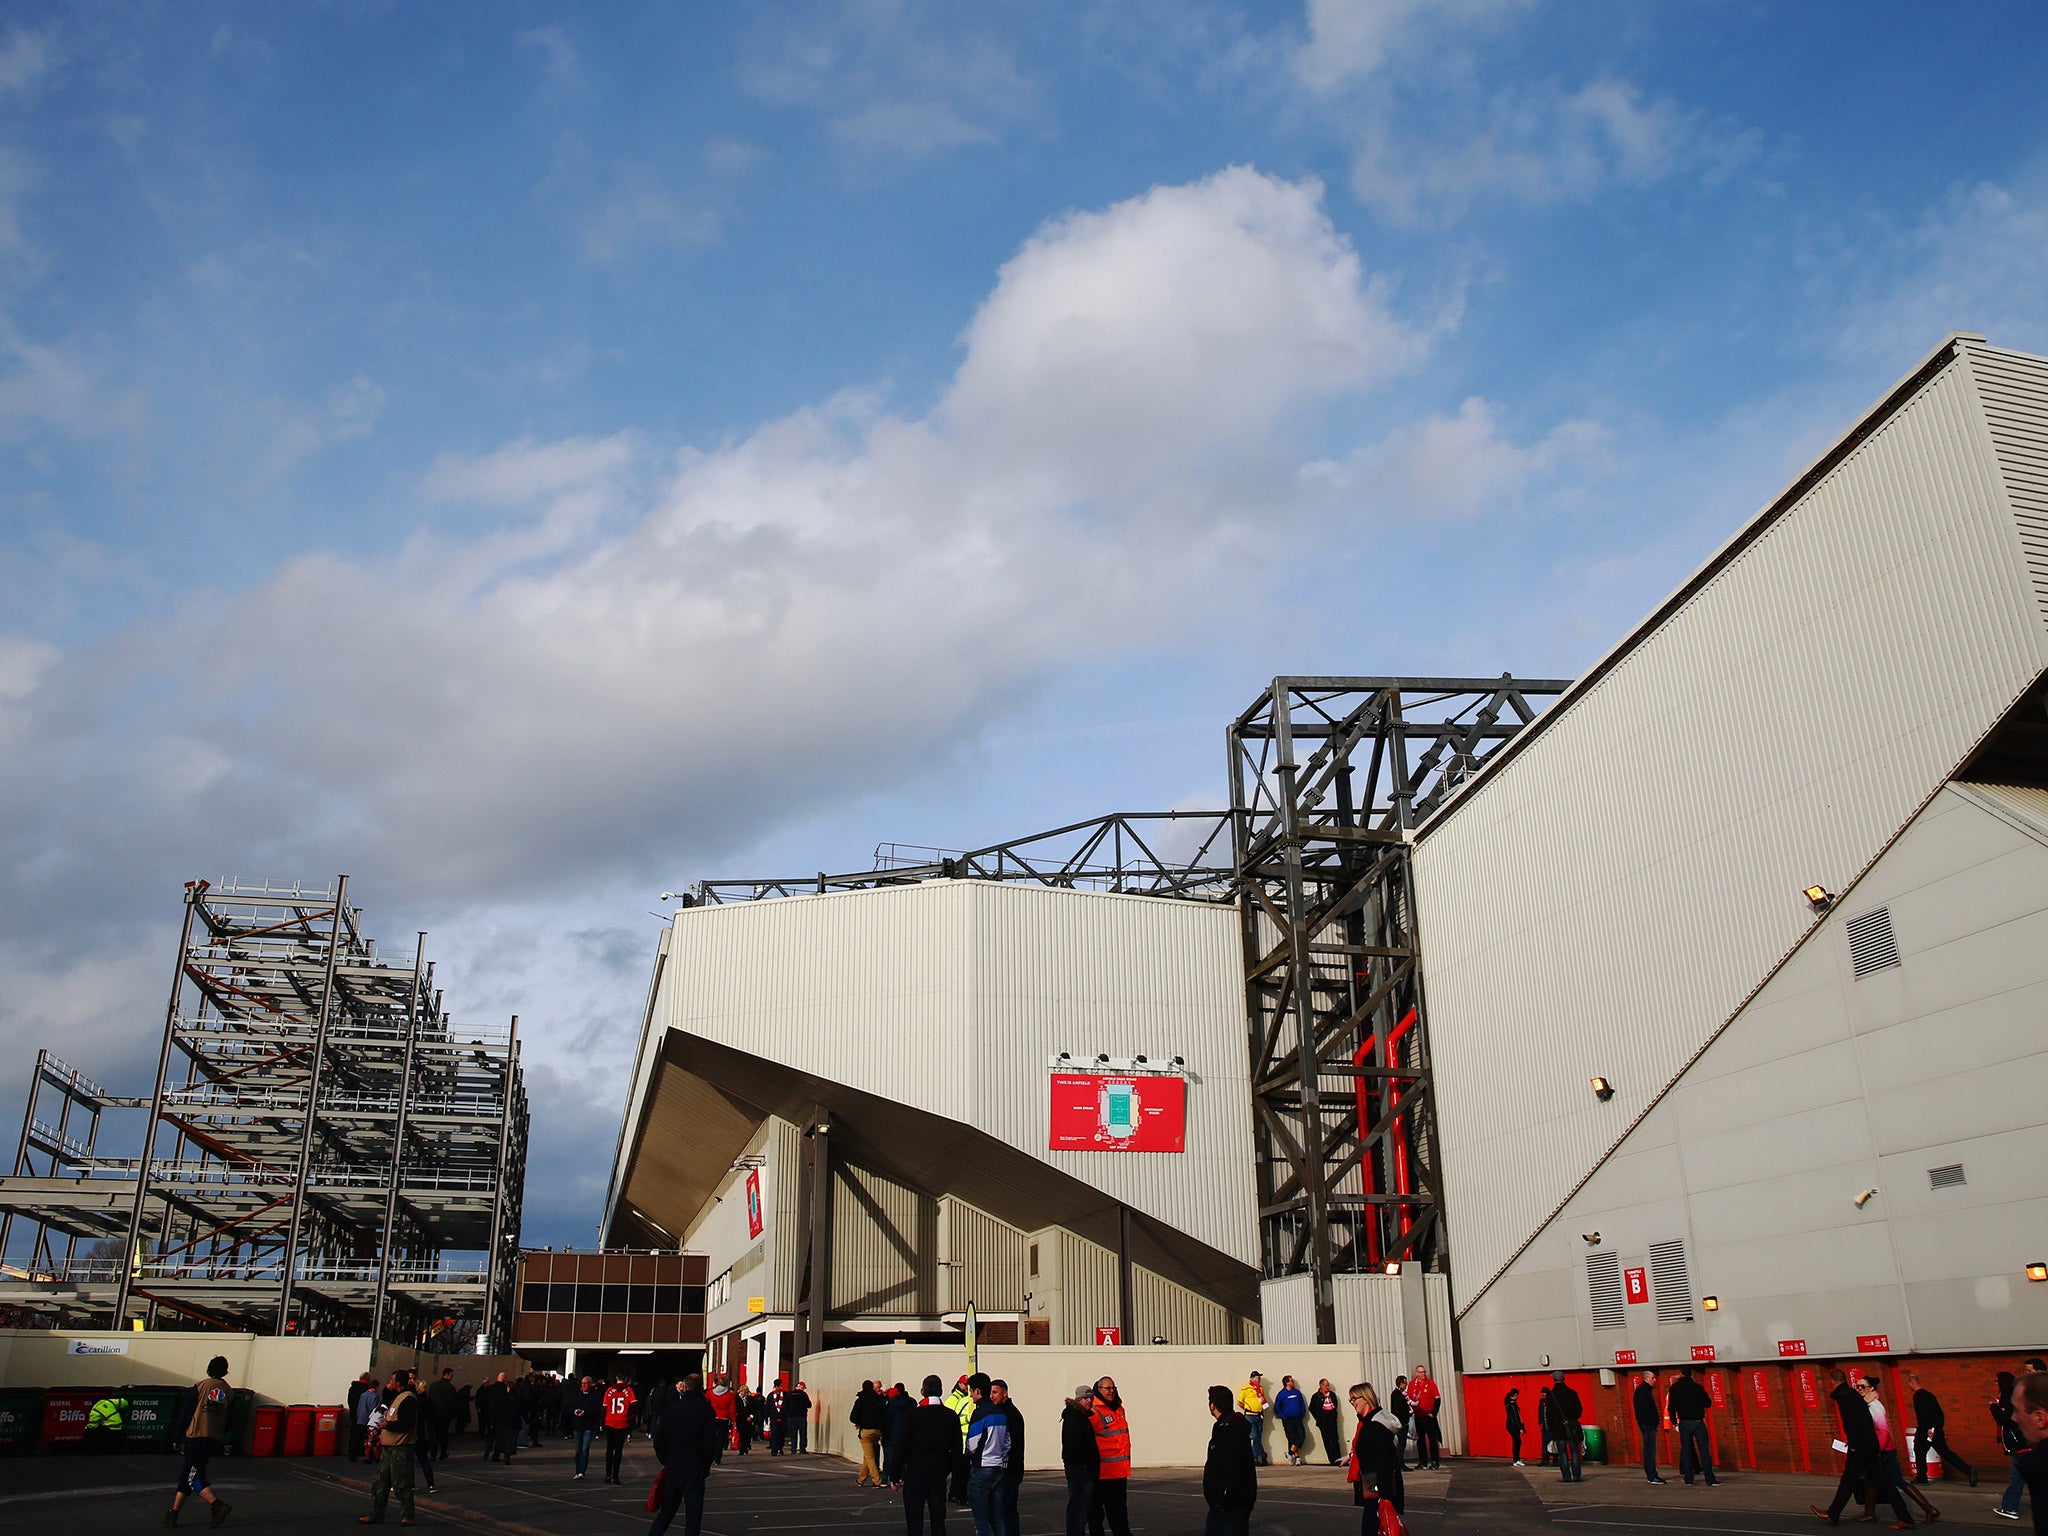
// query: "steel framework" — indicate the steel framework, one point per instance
point(1128, 853)
point(323, 1150)
point(1329, 778)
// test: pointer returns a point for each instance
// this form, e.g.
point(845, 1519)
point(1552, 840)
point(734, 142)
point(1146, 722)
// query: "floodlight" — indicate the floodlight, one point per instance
point(1711, 1303)
point(1393, 1266)
point(2037, 1271)
point(1819, 897)
point(1603, 1090)
point(1865, 1198)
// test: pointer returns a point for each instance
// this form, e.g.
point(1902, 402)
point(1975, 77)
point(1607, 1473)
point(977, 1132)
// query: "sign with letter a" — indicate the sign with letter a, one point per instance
point(1109, 1336)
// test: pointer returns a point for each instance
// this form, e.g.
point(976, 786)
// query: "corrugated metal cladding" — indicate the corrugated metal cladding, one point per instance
point(951, 995)
point(984, 1260)
point(884, 1245)
point(1088, 1299)
point(2014, 389)
point(1602, 901)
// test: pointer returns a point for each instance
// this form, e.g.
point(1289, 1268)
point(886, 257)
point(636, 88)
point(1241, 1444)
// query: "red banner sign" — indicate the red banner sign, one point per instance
point(1636, 1283)
point(1760, 1389)
point(753, 1202)
point(1095, 1113)
point(1791, 1348)
point(1873, 1343)
point(1717, 1389)
point(1809, 1387)
point(1107, 1336)
point(1624, 1357)
point(1703, 1351)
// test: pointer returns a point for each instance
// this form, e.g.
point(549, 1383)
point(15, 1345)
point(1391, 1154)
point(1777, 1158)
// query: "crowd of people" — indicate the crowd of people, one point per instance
point(1874, 1449)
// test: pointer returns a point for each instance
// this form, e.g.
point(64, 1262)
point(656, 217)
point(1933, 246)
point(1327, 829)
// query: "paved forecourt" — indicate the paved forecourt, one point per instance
point(791, 1496)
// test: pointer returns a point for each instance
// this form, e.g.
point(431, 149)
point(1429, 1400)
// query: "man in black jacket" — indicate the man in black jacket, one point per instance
point(688, 1439)
point(1230, 1477)
point(1013, 1472)
point(1648, 1421)
point(1862, 1470)
point(1930, 1427)
point(1567, 1410)
point(925, 1453)
point(1689, 1402)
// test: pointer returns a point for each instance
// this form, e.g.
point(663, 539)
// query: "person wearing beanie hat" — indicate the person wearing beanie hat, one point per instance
point(925, 1456)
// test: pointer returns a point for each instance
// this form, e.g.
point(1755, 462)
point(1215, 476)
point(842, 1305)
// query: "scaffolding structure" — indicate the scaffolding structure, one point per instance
point(323, 1149)
point(1329, 778)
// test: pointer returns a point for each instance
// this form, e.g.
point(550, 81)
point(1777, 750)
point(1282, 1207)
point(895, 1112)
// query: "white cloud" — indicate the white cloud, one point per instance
point(1453, 466)
point(25, 58)
point(640, 212)
point(1539, 147)
point(1350, 40)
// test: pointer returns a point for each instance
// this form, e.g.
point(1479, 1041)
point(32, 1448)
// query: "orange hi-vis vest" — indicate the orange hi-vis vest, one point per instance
point(1112, 1440)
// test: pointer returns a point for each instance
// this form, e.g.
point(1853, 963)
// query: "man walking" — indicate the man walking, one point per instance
point(1930, 1428)
point(924, 1460)
point(988, 1458)
point(359, 1416)
point(1567, 1409)
point(869, 1417)
point(688, 1439)
point(1113, 1472)
point(618, 1422)
point(205, 1415)
point(394, 1452)
point(1688, 1402)
point(776, 1399)
point(1013, 1468)
point(1230, 1474)
point(582, 1413)
point(1648, 1422)
point(1398, 1405)
point(1251, 1402)
point(1862, 1471)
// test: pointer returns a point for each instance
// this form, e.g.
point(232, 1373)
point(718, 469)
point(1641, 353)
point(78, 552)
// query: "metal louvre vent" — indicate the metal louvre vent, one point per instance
point(1948, 1177)
point(1871, 946)
point(1671, 1281)
point(1603, 1289)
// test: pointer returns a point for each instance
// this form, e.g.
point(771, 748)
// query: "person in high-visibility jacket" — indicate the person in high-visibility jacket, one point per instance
point(1113, 1446)
point(104, 1424)
point(1251, 1402)
point(961, 1402)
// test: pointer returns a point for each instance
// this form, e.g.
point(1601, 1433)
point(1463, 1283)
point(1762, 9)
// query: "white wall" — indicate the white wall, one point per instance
point(1604, 900)
point(1824, 1086)
point(298, 1370)
point(950, 996)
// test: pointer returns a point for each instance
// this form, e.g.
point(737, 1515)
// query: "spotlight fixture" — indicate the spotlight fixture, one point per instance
point(1865, 1198)
point(1138, 1061)
point(1591, 1239)
point(1393, 1266)
point(1102, 1060)
point(1818, 897)
point(2037, 1271)
point(1065, 1057)
point(1711, 1303)
point(1603, 1090)
point(1179, 1062)
point(1546, 1359)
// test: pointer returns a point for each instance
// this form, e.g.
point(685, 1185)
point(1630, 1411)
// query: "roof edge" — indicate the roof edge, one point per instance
point(1887, 405)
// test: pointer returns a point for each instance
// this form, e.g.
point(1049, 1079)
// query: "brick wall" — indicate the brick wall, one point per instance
point(1768, 1416)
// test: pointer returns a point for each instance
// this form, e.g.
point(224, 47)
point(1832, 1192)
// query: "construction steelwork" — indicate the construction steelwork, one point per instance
point(1329, 778)
point(323, 1150)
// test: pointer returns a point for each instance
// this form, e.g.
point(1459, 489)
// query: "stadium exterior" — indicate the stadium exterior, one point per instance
point(1693, 1021)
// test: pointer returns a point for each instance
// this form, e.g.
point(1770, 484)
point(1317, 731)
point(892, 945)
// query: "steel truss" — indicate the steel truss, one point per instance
point(1141, 853)
point(1329, 778)
point(323, 1150)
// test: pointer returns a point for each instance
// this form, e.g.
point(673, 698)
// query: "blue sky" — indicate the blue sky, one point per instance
point(532, 457)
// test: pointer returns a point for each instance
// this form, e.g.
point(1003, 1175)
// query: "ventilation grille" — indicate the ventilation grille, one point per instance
point(1949, 1177)
point(1603, 1289)
point(1672, 1282)
point(1871, 946)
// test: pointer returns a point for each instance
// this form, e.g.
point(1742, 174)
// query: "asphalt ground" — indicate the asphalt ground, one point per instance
point(534, 1496)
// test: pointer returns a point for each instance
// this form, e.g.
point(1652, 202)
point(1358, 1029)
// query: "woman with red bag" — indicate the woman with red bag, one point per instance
point(1375, 1471)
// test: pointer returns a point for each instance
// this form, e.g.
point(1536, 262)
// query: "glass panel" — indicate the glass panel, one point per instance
point(693, 1298)
point(667, 1300)
point(589, 1298)
point(640, 1299)
point(614, 1299)
point(533, 1298)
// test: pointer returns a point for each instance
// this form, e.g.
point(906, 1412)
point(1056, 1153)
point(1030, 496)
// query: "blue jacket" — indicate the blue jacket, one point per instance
point(988, 1437)
point(1290, 1404)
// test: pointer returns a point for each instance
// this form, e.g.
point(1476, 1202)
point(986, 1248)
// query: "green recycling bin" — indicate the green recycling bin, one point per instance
point(21, 1413)
point(1596, 1443)
point(152, 1422)
point(241, 1419)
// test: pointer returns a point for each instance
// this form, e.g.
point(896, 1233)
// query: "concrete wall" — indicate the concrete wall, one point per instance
point(1607, 897)
point(1165, 1389)
point(1398, 1322)
point(277, 1370)
point(1824, 1086)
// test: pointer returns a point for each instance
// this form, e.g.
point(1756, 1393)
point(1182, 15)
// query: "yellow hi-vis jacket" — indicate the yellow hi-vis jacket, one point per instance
point(107, 1413)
